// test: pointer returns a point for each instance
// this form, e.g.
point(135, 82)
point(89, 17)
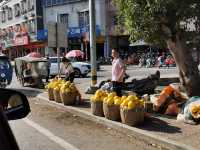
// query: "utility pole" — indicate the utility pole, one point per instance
point(107, 28)
point(93, 42)
point(57, 46)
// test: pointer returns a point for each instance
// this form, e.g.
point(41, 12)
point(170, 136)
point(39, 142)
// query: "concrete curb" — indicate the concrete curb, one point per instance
point(132, 131)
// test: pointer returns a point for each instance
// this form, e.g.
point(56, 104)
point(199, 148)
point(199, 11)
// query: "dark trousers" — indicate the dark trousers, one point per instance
point(117, 87)
point(70, 77)
point(48, 74)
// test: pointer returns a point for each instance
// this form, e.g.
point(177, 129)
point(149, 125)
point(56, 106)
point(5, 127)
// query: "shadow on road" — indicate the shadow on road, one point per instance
point(158, 125)
point(85, 104)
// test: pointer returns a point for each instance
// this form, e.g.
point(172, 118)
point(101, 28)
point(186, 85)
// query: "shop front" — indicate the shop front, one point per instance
point(21, 39)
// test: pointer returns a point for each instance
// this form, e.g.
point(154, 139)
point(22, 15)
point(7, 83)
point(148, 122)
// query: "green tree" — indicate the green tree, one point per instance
point(172, 22)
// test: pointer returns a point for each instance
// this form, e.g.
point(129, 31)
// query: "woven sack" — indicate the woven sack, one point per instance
point(132, 117)
point(50, 94)
point(68, 98)
point(97, 108)
point(56, 95)
point(111, 112)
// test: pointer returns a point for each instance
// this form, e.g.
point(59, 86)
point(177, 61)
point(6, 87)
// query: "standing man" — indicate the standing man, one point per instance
point(118, 72)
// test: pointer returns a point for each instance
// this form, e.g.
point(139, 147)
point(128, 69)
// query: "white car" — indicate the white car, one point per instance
point(81, 69)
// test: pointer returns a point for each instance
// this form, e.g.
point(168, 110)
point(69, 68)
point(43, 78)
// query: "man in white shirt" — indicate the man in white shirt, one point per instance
point(118, 72)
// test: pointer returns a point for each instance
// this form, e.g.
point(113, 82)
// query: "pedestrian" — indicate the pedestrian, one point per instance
point(118, 72)
point(67, 69)
point(167, 61)
point(160, 61)
point(48, 68)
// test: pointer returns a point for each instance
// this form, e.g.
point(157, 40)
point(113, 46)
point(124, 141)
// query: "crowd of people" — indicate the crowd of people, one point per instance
point(150, 60)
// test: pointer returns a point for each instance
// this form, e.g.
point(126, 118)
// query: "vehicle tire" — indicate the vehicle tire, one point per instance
point(2, 86)
point(77, 72)
point(23, 82)
point(84, 75)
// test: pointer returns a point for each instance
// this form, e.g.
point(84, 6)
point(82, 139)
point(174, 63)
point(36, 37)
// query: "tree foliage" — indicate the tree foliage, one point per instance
point(173, 22)
point(158, 20)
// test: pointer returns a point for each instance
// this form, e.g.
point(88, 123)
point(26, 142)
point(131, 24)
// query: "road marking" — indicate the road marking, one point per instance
point(50, 135)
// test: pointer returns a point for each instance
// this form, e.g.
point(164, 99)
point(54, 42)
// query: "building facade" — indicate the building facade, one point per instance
point(21, 27)
point(75, 13)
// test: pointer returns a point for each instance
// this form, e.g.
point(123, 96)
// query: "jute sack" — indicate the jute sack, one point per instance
point(97, 108)
point(50, 94)
point(56, 95)
point(132, 117)
point(111, 112)
point(68, 98)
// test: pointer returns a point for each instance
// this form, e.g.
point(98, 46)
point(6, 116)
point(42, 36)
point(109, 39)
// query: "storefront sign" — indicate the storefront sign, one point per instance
point(21, 40)
point(74, 32)
point(81, 31)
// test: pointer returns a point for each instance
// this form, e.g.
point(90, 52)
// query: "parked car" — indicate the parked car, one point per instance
point(81, 68)
point(78, 59)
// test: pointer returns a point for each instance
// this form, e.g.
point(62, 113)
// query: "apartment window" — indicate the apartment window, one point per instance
point(83, 18)
point(10, 13)
point(59, 1)
point(64, 18)
point(48, 2)
point(23, 7)
point(17, 10)
point(53, 2)
point(30, 4)
point(3, 16)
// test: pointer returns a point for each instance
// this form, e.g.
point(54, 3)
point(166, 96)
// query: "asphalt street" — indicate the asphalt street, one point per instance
point(51, 128)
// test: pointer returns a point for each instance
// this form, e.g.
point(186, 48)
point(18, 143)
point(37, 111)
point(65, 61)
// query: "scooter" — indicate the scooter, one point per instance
point(142, 86)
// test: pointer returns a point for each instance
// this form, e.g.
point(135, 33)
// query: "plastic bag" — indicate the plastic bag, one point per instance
point(107, 86)
point(190, 112)
point(169, 101)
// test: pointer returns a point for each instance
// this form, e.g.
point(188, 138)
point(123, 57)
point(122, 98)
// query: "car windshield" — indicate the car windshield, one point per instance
point(53, 60)
point(75, 59)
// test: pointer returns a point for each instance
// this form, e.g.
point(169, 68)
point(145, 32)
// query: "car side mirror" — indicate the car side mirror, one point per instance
point(15, 105)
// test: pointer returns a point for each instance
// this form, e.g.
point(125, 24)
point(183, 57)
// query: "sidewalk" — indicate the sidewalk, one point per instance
point(161, 130)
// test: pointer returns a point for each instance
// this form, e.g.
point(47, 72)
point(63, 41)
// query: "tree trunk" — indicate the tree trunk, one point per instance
point(188, 69)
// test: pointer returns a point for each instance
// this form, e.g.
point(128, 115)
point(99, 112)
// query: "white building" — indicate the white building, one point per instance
point(75, 14)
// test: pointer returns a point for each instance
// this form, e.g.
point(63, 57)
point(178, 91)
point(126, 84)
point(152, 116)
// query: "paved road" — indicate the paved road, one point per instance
point(51, 128)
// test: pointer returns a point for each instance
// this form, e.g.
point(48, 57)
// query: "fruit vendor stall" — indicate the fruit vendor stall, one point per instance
point(128, 109)
point(62, 91)
point(132, 109)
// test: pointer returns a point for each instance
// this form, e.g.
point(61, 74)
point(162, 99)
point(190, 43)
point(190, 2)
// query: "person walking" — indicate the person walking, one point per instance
point(118, 72)
point(160, 61)
point(67, 69)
